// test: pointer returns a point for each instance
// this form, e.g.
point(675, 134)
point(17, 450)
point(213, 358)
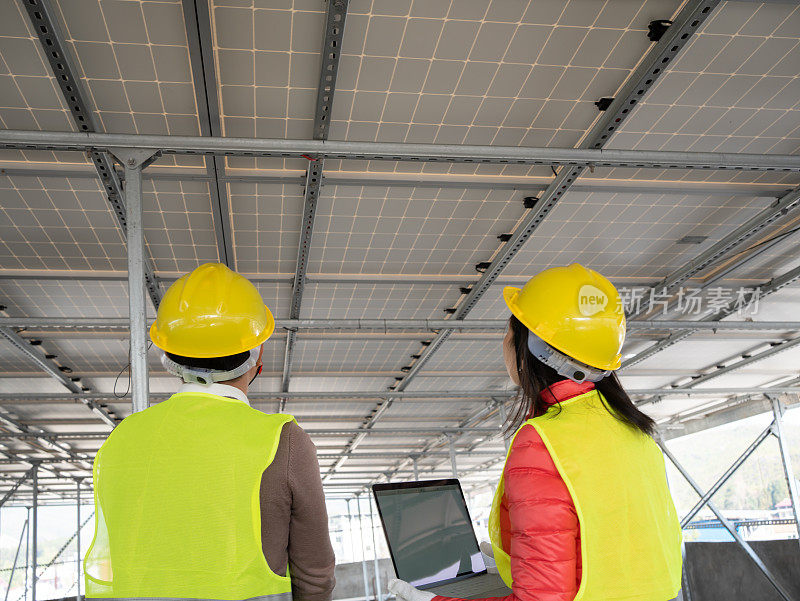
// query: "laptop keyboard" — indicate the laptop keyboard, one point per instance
point(478, 586)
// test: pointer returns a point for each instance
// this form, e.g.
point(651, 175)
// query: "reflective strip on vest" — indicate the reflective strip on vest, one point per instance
point(278, 597)
point(629, 551)
point(177, 498)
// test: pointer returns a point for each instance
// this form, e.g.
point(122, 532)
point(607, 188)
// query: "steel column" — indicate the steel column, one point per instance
point(35, 531)
point(78, 537)
point(728, 473)
point(134, 162)
point(453, 464)
point(728, 526)
point(415, 467)
point(363, 548)
point(27, 555)
point(786, 459)
point(378, 591)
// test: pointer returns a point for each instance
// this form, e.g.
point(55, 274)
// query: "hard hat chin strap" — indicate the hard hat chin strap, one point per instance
point(563, 364)
point(198, 375)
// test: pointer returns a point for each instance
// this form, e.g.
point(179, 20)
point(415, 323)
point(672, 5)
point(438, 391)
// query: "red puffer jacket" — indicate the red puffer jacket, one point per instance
point(537, 517)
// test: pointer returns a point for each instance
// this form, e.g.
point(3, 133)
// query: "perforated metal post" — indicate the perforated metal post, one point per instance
point(786, 459)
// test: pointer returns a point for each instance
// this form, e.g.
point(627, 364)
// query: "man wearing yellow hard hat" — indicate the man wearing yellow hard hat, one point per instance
point(202, 496)
point(582, 511)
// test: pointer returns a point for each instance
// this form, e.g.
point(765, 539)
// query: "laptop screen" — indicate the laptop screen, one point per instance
point(428, 531)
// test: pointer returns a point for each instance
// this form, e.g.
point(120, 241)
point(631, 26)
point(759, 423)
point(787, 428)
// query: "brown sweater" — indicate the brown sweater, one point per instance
point(294, 520)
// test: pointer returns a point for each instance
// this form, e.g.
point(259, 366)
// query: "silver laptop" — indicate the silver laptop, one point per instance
point(431, 540)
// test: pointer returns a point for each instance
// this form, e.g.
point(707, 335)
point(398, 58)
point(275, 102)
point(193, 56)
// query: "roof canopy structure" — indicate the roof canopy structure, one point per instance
point(381, 170)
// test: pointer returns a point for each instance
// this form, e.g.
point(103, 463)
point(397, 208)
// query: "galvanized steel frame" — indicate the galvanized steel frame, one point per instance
point(45, 25)
point(727, 525)
point(197, 19)
point(407, 324)
point(387, 151)
point(638, 83)
point(329, 70)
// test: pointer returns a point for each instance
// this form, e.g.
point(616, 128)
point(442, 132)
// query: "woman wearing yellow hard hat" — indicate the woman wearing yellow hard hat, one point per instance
point(582, 510)
point(202, 496)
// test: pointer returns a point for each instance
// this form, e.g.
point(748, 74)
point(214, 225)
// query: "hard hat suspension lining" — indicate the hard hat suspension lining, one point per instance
point(563, 364)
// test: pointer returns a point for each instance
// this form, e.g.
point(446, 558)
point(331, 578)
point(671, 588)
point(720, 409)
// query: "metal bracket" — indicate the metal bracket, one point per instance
point(135, 157)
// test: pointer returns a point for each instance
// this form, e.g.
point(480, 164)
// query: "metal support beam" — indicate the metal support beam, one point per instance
point(728, 473)
point(135, 161)
point(769, 287)
point(45, 25)
point(528, 184)
point(428, 325)
point(390, 151)
point(16, 486)
point(779, 209)
point(22, 534)
point(786, 459)
point(38, 358)
point(331, 51)
point(197, 19)
point(728, 526)
point(638, 83)
point(455, 396)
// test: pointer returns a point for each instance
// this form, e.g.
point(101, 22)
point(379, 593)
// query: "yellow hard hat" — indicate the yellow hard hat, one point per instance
point(575, 310)
point(211, 312)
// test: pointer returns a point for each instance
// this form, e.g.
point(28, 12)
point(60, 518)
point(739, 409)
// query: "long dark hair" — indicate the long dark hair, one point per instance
point(535, 377)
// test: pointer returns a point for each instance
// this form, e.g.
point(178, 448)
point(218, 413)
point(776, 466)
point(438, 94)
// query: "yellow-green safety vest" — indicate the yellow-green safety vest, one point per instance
point(629, 529)
point(177, 503)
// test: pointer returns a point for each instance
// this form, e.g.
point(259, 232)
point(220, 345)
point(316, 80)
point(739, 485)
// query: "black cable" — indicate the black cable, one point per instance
point(128, 367)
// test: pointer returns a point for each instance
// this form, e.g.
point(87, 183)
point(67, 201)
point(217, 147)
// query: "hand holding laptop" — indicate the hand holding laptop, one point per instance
point(488, 557)
point(405, 592)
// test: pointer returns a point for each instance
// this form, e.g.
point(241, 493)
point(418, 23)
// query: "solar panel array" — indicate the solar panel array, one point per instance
point(391, 240)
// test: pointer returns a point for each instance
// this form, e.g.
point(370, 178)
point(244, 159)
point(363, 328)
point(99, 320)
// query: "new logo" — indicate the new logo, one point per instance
point(591, 300)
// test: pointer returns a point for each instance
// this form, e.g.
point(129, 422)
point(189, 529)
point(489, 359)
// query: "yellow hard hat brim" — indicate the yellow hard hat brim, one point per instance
point(510, 294)
point(222, 348)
